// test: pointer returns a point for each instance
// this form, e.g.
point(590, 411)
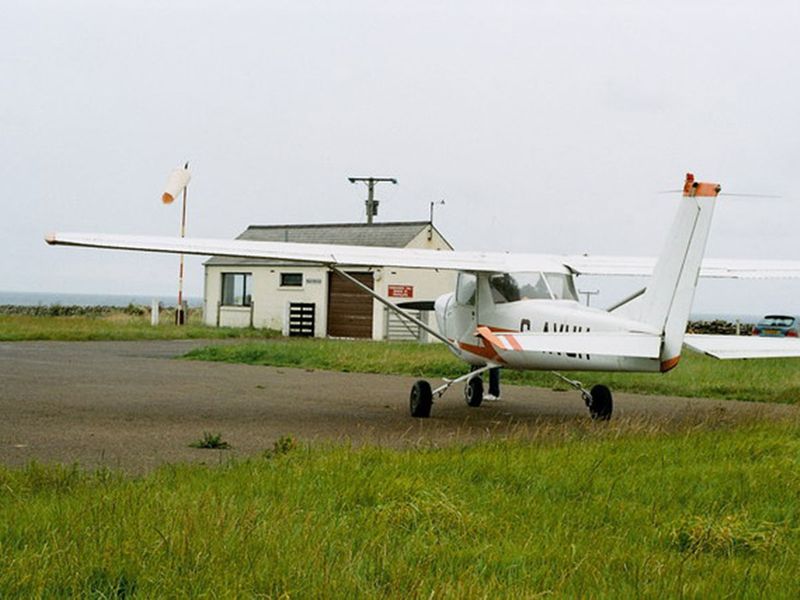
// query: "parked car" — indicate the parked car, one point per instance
point(777, 326)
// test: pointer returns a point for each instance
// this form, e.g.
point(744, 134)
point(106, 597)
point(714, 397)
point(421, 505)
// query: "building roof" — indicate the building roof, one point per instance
point(387, 235)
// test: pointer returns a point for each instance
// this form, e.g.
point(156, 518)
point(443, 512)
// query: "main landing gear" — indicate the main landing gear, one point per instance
point(421, 399)
point(601, 403)
point(598, 400)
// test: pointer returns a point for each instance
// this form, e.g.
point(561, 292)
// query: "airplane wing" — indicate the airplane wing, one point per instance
point(327, 254)
point(727, 347)
point(711, 267)
point(362, 256)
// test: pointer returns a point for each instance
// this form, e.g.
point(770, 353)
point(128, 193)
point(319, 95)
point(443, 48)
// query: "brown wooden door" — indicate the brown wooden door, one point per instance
point(349, 307)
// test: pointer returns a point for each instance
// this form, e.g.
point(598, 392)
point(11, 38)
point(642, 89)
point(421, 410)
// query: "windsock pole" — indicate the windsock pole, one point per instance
point(180, 316)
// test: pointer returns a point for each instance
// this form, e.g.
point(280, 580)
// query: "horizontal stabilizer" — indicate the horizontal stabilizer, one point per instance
point(742, 346)
point(636, 345)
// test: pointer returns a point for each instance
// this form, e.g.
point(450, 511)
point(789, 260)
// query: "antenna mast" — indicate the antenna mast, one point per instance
point(371, 203)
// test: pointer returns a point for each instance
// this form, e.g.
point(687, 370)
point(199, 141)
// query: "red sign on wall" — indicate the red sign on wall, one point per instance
point(401, 291)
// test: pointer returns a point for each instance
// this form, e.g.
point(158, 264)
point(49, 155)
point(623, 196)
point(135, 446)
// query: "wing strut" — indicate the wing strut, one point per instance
point(403, 314)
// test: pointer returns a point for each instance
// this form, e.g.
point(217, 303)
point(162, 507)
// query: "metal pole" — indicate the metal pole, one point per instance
point(430, 226)
point(180, 317)
point(371, 203)
point(370, 200)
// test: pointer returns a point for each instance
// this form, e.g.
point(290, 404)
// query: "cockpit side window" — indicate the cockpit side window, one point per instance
point(511, 287)
point(562, 285)
point(504, 288)
point(465, 288)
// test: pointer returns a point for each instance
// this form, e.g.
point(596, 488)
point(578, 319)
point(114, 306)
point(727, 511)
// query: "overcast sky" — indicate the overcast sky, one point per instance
point(546, 126)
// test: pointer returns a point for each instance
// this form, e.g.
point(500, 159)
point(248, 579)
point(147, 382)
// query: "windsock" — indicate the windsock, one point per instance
point(177, 181)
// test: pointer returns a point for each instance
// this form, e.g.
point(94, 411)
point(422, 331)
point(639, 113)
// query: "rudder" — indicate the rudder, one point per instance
point(668, 298)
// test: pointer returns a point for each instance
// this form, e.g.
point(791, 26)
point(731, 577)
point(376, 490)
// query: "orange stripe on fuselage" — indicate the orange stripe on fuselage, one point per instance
point(481, 351)
point(513, 341)
point(498, 329)
point(487, 334)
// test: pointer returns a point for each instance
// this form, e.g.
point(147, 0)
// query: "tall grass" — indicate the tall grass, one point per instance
point(574, 511)
point(766, 380)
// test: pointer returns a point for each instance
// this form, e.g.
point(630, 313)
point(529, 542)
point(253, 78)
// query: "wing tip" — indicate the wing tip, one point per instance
point(51, 238)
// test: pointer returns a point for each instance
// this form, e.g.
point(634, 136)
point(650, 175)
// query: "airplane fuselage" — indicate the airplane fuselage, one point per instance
point(458, 318)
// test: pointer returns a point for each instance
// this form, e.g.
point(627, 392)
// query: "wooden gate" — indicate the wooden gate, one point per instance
point(349, 307)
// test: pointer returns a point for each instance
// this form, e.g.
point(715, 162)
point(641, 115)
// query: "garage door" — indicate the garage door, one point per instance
point(349, 307)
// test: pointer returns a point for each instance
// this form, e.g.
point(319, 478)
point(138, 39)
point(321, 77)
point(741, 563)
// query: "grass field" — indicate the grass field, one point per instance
point(768, 380)
point(619, 511)
point(115, 326)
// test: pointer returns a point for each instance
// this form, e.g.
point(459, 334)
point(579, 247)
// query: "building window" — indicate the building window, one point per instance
point(236, 289)
point(291, 280)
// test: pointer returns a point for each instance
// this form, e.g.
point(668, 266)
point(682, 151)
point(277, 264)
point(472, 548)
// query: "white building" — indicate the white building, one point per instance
point(312, 300)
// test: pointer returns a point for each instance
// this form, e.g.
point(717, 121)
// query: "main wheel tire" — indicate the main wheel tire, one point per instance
point(473, 392)
point(421, 400)
point(602, 404)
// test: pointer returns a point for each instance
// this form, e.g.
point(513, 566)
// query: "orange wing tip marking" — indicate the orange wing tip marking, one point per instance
point(167, 198)
point(692, 188)
point(50, 238)
point(668, 365)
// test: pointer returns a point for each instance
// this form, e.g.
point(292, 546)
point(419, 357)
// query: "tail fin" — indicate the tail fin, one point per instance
point(668, 298)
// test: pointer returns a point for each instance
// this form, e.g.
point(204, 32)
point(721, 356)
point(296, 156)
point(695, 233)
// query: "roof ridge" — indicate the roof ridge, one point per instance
point(321, 225)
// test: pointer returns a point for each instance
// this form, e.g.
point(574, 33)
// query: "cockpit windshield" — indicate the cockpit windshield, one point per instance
point(512, 287)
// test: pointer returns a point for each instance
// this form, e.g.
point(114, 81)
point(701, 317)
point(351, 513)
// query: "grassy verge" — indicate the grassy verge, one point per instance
point(768, 380)
point(577, 511)
point(115, 325)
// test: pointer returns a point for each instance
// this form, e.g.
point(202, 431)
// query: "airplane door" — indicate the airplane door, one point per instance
point(460, 315)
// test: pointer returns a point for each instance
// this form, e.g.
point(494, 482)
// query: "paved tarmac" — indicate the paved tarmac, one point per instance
point(132, 405)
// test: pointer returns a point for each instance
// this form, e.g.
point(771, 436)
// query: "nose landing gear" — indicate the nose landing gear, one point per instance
point(473, 392)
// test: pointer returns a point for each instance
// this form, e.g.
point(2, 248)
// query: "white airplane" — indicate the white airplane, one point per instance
point(522, 312)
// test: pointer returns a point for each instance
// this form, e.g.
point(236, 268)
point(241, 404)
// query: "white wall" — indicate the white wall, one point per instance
point(271, 301)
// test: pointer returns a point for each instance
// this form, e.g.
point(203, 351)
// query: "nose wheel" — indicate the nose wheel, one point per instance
point(473, 392)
